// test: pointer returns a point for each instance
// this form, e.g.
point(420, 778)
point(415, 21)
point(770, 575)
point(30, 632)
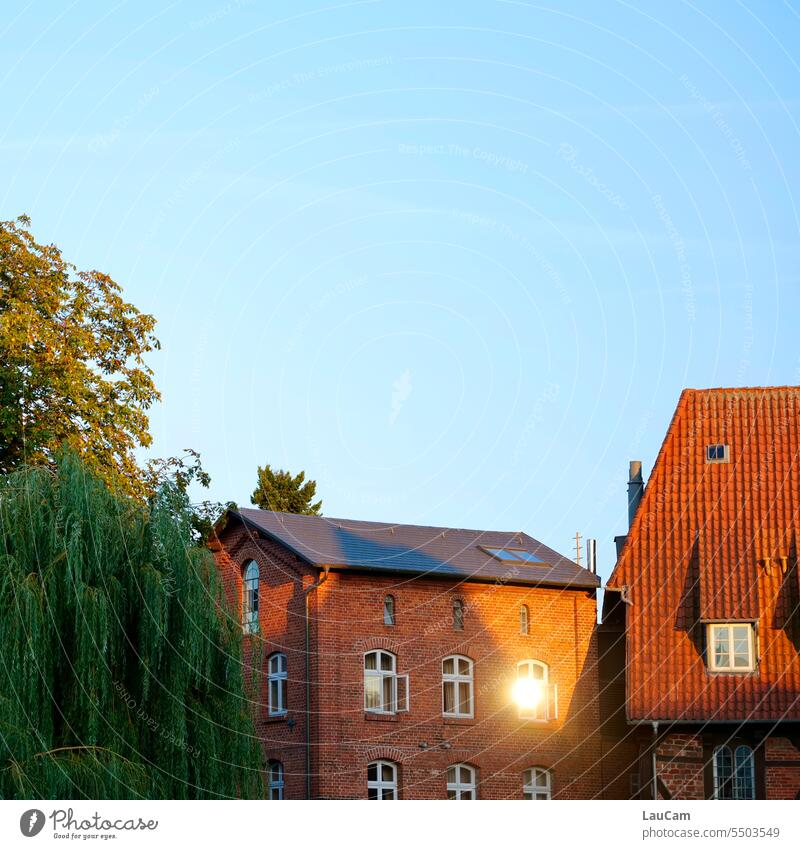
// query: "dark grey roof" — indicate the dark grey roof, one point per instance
point(414, 549)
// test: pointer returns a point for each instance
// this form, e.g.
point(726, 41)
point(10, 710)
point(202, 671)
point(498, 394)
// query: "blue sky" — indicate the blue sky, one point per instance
point(457, 261)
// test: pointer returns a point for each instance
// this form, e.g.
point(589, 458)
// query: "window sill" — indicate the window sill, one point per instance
point(370, 716)
point(277, 717)
point(458, 720)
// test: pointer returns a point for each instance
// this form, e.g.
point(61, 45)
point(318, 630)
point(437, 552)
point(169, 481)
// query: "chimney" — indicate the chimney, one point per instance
point(635, 489)
point(591, 555)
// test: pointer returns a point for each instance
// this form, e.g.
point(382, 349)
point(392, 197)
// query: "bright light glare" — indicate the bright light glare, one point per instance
point(528, 693)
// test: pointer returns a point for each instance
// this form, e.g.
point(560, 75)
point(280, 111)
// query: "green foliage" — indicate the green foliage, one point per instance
point(71, 363)
point(121, 669)
point(279, 490)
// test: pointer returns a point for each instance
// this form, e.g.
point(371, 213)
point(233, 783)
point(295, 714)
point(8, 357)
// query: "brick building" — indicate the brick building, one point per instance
point(701, 626)
point(399, 661)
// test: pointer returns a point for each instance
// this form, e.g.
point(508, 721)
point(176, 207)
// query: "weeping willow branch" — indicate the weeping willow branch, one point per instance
point(120, 664)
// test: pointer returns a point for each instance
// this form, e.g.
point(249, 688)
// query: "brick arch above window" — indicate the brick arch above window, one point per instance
point(389, 643)
point(385, 753)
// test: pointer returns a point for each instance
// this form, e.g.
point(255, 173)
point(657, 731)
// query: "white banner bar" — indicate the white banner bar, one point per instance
point(488, 825)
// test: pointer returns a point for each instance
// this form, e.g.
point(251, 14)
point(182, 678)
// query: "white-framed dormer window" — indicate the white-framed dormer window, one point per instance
point(275, 780)
point(536, 697)
point(717, 453)
point(734, 773)
point(384, 690)
point(381, 780)
point(457, 686)
point(277, 675)
point(461, 782)
point(250, 597)
point(537, 783)
point(731, 647)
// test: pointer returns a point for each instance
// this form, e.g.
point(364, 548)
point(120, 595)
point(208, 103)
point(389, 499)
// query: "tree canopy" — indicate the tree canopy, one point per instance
point(121, 669)
point(72, 364)
point(280, 490)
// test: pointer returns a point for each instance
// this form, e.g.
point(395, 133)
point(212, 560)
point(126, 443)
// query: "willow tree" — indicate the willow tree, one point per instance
point(120, 662)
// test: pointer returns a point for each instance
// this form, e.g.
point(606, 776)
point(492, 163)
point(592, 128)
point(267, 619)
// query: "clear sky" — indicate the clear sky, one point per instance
point(455, 260)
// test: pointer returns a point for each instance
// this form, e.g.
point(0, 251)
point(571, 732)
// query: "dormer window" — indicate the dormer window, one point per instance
point(731, 647)
point(717, 453)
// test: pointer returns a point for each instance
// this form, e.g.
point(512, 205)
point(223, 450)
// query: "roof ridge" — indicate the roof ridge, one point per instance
point(335, 520)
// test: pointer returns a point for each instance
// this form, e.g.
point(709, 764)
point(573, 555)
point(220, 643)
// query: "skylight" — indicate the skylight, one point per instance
point(512, 555)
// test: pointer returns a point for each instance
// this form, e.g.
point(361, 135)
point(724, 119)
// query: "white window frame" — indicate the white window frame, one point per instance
point(251, 581)
point(389, 614)
point(398, 688)
point(277, 674)
point(380, 784)
point(735, 784)
point(711, 653)
point(454, 679)
point(531, 789)
point(549, 710)
point(725, 453)
point(524, 619)
point(458, 788)
point(275, 785)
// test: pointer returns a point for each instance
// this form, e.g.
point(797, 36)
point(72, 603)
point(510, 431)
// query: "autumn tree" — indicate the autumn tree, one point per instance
point(286, 493)
point(72, 367)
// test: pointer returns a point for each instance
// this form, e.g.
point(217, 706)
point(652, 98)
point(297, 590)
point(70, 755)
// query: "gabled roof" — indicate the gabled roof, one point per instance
point(434, 552)
point(706, 544)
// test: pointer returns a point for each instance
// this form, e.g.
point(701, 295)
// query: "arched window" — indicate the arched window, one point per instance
point(536, 698)
point(524, 626)
point(384, 690)
point(734, 773)
point(461, 782)
point(381, 780)
point(537, 783)
point(275, 780)
point(250, 598)
point(457, 686)
point(458, 614)
point(277, 682)
point(388, 610)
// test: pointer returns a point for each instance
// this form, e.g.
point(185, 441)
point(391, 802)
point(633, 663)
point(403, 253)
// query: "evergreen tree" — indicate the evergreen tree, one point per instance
point(121, 671)
point(279, 490)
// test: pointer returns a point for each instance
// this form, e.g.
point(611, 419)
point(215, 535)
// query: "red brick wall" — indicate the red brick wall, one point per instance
point(496, 741)
point(281, 629)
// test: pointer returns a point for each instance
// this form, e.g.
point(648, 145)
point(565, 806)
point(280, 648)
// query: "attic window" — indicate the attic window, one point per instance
point(512, 555)
point(716, 453)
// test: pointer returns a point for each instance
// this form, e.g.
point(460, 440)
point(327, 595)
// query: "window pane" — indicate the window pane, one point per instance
point(463, 698)
point(466, 775)
point(388, 692)
point(372, 692)
point(388, 793)
point(273, 695)
point(387, 662)
point(387, 772)
point(463, 667)
point(449, 698)
point(448, 666)
point(372, 772)
point(451, 775)
point(451, 794)
point(723, 773)
point(744, 782)
point(467, 794)
point(371, 661)
point(721, 647)
point(284, 701)
point(372, 793)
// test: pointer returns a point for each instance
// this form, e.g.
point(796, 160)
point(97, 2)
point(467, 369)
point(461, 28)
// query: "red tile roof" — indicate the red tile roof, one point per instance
point(717, 541)
point(416, 549)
